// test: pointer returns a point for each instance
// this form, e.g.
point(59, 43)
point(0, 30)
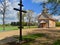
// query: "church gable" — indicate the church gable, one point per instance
point(43, 16)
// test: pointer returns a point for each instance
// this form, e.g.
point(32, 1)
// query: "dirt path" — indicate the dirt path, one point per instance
point(14, 32)
point(26, 31)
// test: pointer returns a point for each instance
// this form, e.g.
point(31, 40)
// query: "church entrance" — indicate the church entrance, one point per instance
point(43, 25)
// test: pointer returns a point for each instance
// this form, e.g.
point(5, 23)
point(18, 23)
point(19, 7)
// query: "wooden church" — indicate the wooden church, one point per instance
point(46, 20)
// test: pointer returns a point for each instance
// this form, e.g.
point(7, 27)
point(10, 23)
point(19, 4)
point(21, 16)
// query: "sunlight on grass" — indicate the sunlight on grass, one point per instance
point(33, 36)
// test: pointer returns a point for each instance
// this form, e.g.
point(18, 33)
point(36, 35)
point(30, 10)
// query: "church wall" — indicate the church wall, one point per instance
point(51, 23)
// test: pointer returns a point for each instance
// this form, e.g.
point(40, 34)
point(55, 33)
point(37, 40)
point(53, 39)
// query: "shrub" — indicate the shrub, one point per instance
point(58, 24)
point(57, 42)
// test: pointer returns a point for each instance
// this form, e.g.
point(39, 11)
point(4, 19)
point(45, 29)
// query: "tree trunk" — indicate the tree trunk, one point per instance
point(3, 21)
point(4, 15)
point(29, 23)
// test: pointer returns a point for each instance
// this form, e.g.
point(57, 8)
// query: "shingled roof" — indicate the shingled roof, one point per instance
point(45, 14)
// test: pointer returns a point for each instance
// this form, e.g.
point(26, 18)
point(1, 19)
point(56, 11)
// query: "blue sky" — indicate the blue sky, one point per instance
point(28, 5)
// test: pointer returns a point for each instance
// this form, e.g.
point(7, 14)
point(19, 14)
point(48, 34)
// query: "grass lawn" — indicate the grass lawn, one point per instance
point(9, 28)
point(33, 36)
point(25, 27)
point(15, 27)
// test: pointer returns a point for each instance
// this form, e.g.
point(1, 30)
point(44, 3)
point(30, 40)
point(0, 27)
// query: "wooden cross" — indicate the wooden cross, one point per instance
point(20, 20)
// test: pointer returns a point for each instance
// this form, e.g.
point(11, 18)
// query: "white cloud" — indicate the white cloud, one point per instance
point(57, 17)
point(38, 1)
point(12, 14)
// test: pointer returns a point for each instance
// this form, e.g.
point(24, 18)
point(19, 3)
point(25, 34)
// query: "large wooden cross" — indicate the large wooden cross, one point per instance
point(20, 20)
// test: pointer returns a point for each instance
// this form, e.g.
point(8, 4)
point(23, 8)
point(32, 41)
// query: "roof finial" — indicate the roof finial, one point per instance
point(44, 5)
point(44, 8)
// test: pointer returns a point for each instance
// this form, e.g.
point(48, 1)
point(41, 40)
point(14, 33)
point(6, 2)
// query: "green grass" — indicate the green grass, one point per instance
point(57, 42)
point(33, 36)
point(9, 28)
point(25, 27)
point(15, 27)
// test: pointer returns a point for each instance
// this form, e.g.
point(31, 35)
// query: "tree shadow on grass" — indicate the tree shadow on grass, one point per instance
point(8, 40)
point(14, 41)
point(27, 39)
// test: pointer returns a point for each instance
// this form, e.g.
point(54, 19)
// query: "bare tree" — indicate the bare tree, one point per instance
point(23, 15)
point(3, 9)
point(29, 17)
point(35, 20)
point(54, 8)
